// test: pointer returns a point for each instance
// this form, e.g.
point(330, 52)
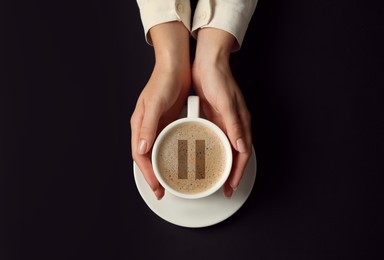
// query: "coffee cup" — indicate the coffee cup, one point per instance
point(192, 156)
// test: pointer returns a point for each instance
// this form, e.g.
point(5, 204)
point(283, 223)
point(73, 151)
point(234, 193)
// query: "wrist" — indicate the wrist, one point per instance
point(171, 45)
point(213, 47)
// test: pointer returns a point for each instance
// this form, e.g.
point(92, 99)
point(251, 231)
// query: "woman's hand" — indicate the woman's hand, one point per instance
point(163, 97)
point(221, 98)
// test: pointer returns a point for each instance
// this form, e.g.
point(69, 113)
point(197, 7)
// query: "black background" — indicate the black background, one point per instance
point(312, 75)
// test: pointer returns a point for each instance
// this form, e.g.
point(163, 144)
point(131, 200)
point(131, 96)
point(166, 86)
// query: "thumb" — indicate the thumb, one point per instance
point(235, 130)
point(148, 128)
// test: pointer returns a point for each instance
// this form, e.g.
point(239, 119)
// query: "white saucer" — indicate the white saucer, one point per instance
point(196, 213)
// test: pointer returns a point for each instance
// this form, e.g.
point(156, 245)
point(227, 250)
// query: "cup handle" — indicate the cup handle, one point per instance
point(193, 107)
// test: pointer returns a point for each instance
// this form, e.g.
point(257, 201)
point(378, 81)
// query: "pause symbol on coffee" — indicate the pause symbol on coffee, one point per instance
point(183, 159)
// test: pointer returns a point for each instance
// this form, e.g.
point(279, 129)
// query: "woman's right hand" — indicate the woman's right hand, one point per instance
point(221, 98)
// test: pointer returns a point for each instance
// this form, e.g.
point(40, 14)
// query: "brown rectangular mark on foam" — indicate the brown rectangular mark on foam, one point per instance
point(182, 159)
point(200, 159)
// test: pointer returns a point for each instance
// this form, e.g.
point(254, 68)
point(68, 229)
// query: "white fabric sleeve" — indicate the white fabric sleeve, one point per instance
point(232, 16)
point(154, 12)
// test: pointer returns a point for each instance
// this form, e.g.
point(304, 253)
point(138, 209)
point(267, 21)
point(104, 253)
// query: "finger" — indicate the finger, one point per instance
point(234, 127)
point(227, 190)
point(148, 128)
point(142, 161)
point(239, 163)
point(145, 166)
point(241, 158)
point(159, 192)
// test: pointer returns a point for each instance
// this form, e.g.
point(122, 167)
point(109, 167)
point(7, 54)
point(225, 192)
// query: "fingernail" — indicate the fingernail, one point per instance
point(142, 146)
point(158, 194)
point(234, 187)
point(241, 145)
point(229, 195)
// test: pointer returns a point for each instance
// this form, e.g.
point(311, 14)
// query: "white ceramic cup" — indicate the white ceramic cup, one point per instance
point(193, 116)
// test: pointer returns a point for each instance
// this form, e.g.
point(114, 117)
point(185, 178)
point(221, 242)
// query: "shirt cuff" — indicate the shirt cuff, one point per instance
point(232, 16)
point(154, 12)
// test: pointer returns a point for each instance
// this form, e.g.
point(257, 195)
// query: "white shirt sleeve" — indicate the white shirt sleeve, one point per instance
point(232, 16)
point(155, 12)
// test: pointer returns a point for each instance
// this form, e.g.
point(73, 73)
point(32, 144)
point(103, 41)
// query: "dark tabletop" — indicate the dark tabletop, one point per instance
point(312, 73)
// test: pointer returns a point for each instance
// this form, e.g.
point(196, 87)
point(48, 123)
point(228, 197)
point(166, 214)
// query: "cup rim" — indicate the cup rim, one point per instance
point(228, 150)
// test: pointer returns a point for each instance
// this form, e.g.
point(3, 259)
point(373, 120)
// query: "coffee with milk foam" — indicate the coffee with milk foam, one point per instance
point(191, 158)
